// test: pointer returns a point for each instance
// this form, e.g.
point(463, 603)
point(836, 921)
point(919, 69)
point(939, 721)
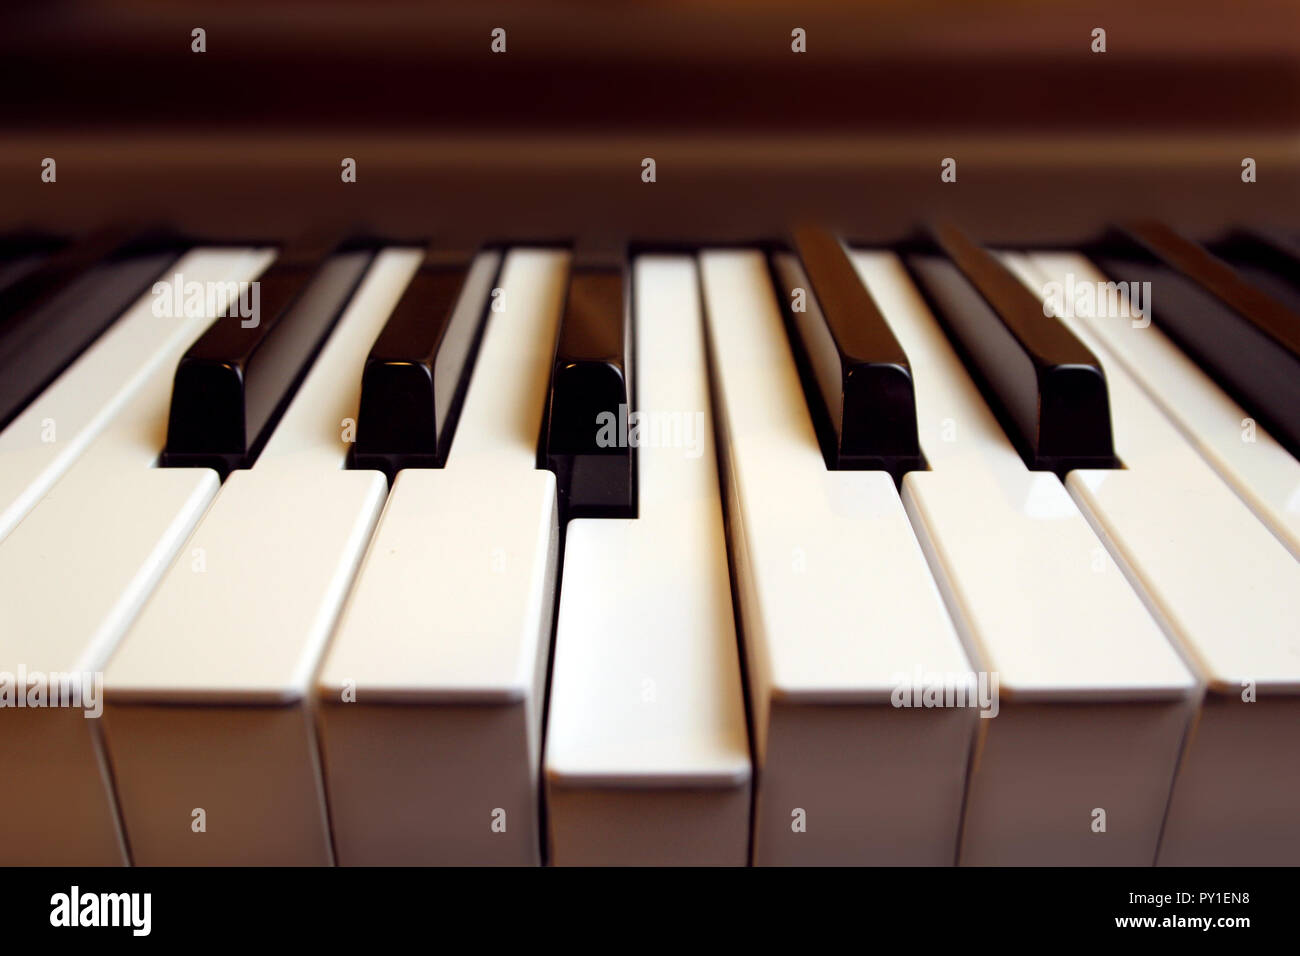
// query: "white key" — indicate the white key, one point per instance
point(208, 694)
point(432, 689)
point(647, 757)
point(43, 442)
point(74, 572)
point(1228, 593)
point(838, 610)
point(1094, 699)
point(1260, 470)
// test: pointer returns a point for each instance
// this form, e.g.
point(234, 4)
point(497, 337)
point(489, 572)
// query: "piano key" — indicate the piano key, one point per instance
point(47, 438)
point(37, 344)
point(1268, 260)
point(1228, 593)
point(1257, 467)
point(861, 371)
point(418, 369)
point(20, 256)
point(1246, 340)
point(1045, 386)
point(73, 573)
point(1094, 702)
point(431, 693)
point(54, 266)
point(647, 756)
point(275, 556)
point(590, 399)
point(236, 380)
point(837, 611)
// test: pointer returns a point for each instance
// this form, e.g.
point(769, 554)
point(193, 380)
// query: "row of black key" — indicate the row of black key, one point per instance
point(1239, 316)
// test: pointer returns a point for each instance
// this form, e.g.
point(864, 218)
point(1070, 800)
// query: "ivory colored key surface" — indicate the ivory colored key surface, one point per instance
point(838, 612)
point(432, 689)
point(1259, 469)
point(1094, 701)
point(647, 758)
point(74, 573)
point(1228, 592)
point(207, 696)
point(43, 442)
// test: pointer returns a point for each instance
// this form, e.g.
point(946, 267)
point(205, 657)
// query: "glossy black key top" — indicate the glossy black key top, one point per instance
point(585, 432)
point(20, 257)
point(1270, 261)
point(1245, 337)
point(58, 323)
point(861, 383)
point(60, 265)
point(1046, 387)
point(417, 371)
point(233, 384)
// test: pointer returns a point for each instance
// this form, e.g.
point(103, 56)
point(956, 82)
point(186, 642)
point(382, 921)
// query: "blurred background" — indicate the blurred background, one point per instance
point(1052, 140)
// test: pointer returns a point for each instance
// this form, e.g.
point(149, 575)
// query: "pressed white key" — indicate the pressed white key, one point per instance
point(1094, 699)
point(73, 574)
point(432, 689)
point(647, 757)
point(208, 703)
point(43, 442)
point(1228, 593)
point(837, 609)
point(1260, 470)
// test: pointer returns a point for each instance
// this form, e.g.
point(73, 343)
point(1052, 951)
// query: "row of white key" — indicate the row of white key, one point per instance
point(209, 716)
point(1225, 588)
point(1094, 700)
point(84, 559)
point(428, 704)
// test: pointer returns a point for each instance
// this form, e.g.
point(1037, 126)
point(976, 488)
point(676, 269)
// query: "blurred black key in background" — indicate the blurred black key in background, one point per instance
point(1238, 326)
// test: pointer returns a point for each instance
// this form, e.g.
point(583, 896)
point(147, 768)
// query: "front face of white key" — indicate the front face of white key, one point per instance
point(432, 690)
point(647, 759)
point(838, 611)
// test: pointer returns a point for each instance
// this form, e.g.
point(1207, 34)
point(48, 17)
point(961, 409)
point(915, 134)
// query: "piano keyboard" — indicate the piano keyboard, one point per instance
point(800, 554)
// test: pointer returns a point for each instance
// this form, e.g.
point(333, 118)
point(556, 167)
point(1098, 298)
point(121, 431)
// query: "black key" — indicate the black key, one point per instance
point(1268, 261)
point(59, 266)
point(858, 378)
point(1046, 387)
point(1245, 337)
point(235, 382)
point(585, 429)
point(41, 340)
point(418, 370)
point(20, 257)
